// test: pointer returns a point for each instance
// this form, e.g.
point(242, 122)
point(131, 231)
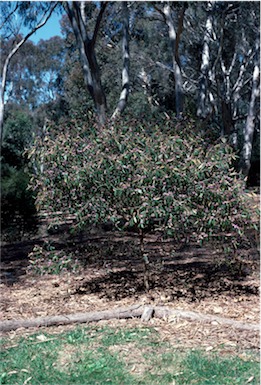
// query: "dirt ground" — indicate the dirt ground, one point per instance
point(206, 280)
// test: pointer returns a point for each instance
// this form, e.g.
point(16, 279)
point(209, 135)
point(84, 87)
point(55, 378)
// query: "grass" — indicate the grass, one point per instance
point(118, 357)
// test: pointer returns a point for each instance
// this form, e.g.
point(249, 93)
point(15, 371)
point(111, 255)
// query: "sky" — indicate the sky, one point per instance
point(50, 29)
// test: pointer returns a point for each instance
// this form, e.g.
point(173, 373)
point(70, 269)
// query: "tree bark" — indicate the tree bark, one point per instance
point(126, 63)
point(227, 118)
point(143, 312)
point(245, 161)
point(86, 46)
point(129, 312)
point(204, 108)
point(226, 102)
point(7, 62)
point(174, 39)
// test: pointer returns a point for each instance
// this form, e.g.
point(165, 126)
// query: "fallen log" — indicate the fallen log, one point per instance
point(143, 312)
point(127, 312)
point(166, 313)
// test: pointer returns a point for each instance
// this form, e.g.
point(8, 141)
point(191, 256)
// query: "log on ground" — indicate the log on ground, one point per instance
point(143, 312)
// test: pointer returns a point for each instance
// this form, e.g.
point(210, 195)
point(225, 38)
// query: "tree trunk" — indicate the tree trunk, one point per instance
point(204, 107)
point(145, 260)
point(227, 118)
point(95, 86)
point(245, 161)
point(236, 95)
point(174, 39)
point(86, 46)
point(1, 120)
point(126, 63)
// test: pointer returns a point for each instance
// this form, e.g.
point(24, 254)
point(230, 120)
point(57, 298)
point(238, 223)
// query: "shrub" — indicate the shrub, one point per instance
point(46, 259)
point(17, 202)
point(141, 176)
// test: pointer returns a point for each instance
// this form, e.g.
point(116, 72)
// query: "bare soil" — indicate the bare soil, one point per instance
point(206, 280)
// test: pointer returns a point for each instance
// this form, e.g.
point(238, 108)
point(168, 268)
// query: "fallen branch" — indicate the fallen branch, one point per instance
point(128, 312)
point(164, 312)
point(143, 312)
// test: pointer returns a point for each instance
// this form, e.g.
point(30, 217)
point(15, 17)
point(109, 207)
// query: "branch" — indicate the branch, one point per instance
point(160, 12)
point(143, 312)
point(10, 14)
point(232, 63)
point(179, 32)
point(243, 67)
point(164, 66)
point(43, 21)
point(98, 22)
point(74, 13)
point(239, 117)
point(220, 46)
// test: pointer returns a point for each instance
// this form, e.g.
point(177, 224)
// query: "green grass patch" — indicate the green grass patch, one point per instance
point(89, 355)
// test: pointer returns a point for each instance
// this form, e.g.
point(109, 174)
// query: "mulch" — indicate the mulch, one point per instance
point(193, 279)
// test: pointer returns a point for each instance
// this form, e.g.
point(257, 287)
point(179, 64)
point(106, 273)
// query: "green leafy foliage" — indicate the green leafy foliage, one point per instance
point(17, 202)
point(17, 135)
point(141, 176)
point(47, 260)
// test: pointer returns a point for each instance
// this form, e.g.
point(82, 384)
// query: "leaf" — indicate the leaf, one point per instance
point(217, 310)
point(209, 348)
point(41, 337)
point(27, 380)
point(250, 379)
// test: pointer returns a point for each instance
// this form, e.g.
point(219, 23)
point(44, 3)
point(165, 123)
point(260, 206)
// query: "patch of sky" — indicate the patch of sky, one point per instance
point(50, 29)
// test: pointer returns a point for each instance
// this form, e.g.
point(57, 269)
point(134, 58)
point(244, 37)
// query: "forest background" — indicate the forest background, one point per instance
point(182, 77)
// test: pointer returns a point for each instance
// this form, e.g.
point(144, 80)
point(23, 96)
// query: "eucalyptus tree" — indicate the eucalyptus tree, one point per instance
point(86, 19)
point(18, 15)
point(126, 63)
point(221, 69)
point(205, 97)
point(173, 17)
point(78, 13)
point(34, 73)
point(236, 75)
point(248, 132)
point(235, 55)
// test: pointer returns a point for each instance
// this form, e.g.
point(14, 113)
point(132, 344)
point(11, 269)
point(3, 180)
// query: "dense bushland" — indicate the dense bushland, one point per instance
point(17, 202)
point(141, 176)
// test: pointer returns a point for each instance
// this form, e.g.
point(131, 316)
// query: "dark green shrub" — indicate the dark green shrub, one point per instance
point(17, 202)
point(18, 128)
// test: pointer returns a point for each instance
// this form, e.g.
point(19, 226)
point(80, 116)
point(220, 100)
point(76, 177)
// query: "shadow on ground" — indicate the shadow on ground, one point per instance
point(194, 273)
point(194, 283)
point(190, 272)
point(14, 261)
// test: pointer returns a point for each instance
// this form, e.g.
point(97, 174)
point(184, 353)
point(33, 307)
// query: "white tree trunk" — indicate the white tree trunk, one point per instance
point(204, 107)
point(126, 63)
point(174, 39)
point(250, 122)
